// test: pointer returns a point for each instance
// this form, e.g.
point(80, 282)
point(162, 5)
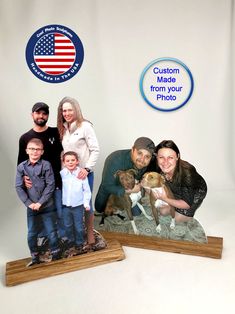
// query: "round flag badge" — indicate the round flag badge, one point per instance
point(54, 53)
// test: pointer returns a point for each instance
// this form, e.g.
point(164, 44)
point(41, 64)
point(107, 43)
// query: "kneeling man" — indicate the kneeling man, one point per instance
point(139, 158)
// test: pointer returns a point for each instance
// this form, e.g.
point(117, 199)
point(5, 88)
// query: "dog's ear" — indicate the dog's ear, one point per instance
point(133, 172)
point(162, 180)
point(117, 173)
point(146, 174)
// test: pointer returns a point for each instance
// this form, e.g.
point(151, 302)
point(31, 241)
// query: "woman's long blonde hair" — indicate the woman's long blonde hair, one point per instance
point(60, 119)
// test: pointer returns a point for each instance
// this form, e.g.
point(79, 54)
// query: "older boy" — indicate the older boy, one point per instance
point(38, 199)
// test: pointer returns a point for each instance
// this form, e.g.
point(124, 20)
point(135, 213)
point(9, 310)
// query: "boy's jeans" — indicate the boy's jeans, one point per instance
point(38, 220)
point(73, 221)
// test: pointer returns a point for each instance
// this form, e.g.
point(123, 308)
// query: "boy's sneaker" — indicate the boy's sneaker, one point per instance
point(43, 244)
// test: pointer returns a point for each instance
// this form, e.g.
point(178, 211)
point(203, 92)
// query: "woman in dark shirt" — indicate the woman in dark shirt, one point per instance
point(188, 187)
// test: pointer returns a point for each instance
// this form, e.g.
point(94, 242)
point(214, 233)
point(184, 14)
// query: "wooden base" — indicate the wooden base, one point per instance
point(211, 249)
point(17, 272)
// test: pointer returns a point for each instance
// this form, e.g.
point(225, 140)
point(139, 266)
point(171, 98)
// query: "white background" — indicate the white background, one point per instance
point(120, 38)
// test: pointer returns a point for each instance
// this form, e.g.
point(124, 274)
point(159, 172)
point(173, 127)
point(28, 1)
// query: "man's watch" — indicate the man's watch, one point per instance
point(87, 170)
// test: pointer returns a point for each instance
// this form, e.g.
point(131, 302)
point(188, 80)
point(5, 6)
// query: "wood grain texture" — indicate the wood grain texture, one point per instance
point(211, 249)
point(17, 272)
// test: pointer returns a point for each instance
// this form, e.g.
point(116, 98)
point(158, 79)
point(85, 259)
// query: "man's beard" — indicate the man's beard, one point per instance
point(40, 122)
point(139, 165)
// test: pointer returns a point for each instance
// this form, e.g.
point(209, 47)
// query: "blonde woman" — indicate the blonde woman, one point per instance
point(77, 134)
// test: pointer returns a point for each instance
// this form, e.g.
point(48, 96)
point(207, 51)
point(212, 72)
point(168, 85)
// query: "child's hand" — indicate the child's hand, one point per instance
point(87, 209)
point(32, 206)
point(37, 206)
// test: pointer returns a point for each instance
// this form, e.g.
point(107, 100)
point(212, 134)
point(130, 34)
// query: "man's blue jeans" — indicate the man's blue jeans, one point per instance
point(38, 220)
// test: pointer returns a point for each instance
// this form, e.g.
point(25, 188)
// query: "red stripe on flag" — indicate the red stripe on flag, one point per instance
point(64, 47)
point(65, 53)
point(54, 66)
point(53, 60)
point(62, 41)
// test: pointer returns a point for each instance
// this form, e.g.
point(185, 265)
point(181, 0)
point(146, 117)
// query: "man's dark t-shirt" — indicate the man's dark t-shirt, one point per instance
point(52, 149)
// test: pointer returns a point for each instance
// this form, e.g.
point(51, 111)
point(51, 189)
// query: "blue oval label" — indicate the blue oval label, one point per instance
point(166, 84)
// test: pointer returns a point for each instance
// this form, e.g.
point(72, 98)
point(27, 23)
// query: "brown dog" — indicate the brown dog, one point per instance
point(127, 201)
point(154, 181)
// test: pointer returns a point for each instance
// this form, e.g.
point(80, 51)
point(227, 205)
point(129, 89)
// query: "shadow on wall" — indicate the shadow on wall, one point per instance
point(8, 195)
point(13, 222)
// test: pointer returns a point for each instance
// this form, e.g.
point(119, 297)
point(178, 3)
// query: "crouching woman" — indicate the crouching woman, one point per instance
point(187, 185)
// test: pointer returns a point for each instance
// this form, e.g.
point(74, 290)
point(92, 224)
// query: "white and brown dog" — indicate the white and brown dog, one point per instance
point(153, 181)
point(127, 201)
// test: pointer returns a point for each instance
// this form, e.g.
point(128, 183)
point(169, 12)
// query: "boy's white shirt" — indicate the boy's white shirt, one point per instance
point(75, 191)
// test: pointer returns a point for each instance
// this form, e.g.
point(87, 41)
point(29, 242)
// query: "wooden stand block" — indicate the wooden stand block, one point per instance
point(211, 249)
point(17, 272)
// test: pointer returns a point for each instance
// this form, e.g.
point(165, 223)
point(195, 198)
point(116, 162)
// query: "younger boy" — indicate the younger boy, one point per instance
point(76, 195)
point(38, 199)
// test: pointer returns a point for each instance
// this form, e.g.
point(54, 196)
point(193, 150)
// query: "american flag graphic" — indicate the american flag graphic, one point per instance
point(54, 53)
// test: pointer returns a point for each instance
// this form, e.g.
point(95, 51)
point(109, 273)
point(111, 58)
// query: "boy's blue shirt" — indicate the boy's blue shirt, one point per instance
point(42, 178)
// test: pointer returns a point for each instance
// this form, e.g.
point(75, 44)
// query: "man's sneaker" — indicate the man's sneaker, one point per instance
point(56, 256)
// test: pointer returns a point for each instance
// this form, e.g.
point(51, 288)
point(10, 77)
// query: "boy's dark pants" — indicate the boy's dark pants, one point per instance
point(38, 220)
